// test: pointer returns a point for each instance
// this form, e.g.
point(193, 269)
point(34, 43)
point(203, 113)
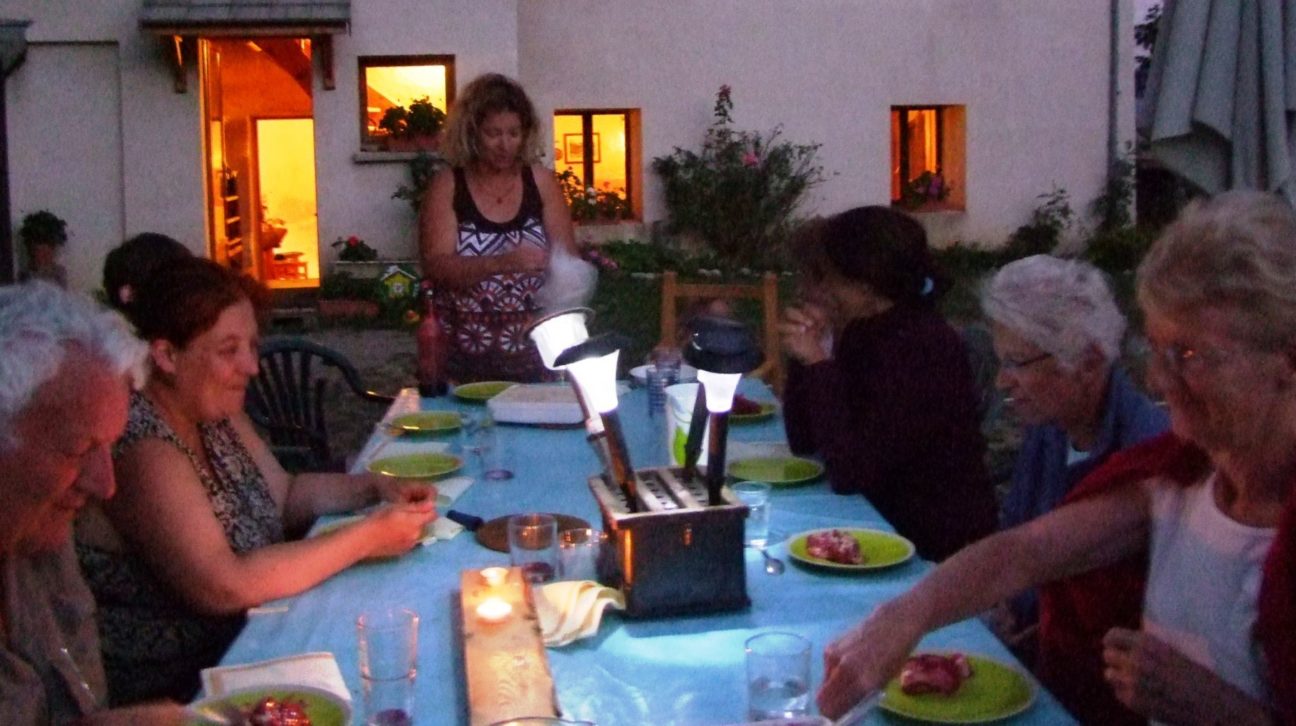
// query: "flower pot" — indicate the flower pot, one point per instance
point(418, 142)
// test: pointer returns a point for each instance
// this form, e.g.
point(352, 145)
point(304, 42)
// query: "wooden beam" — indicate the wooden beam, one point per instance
point(325, 45)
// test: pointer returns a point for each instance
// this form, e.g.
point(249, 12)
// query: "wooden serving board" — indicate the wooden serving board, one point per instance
point(505, 662)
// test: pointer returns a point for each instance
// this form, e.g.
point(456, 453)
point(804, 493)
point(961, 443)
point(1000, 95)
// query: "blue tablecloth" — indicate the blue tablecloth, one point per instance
point(683, 670)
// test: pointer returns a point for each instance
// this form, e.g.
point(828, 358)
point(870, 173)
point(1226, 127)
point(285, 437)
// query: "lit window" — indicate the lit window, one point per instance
point(927, 170)
point(596, 158)
point(390, 81)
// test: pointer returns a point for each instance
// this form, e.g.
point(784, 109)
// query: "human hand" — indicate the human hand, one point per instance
point(527, 258)
point(1157, 681)
point(803, 331)
point(863, 659)
point(400, 490)
point(396, 528)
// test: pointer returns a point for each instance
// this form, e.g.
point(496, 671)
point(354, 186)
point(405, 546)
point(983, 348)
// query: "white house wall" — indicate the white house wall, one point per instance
point(1033, 75)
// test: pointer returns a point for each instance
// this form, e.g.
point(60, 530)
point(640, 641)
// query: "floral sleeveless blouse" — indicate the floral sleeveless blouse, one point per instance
point(485, 324)
point(154, 644)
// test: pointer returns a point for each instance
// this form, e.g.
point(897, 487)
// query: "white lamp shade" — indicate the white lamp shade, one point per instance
point(559, 333)
point(720, 389)
point(596, 379)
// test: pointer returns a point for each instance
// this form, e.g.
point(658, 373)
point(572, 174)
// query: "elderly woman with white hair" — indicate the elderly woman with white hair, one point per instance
point(1207, 633)
point(1057, 334)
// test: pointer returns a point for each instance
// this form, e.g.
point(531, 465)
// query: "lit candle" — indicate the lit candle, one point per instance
point(494, 576)
point(493, 610)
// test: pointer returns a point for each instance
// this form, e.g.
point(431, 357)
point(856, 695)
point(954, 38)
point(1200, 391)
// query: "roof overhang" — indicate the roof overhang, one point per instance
point(13, 44)
point(213, 18)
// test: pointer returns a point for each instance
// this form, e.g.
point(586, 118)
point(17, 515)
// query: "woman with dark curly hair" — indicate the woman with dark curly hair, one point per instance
point(487, 227)
point(881, 386)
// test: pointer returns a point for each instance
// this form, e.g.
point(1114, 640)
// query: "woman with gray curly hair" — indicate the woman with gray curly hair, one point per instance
point(1057, 333)
point(1207, 630)
point(486, 229)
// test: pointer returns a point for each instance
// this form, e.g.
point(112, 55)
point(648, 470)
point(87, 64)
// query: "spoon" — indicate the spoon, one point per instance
point(773, 565)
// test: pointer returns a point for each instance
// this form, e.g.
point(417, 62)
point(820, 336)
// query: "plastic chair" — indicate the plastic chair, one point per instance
point(765, 291)
point(287, 400)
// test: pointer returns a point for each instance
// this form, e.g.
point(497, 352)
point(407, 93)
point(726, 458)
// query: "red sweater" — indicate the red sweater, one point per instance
point(1076, 612)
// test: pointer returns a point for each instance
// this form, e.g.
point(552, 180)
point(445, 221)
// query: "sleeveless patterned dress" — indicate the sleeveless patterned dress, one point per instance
point(485, 324)
point(154, 644)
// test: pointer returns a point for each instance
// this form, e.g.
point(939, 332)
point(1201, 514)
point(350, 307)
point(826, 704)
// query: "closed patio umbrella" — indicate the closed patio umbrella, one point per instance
point(1221, 94)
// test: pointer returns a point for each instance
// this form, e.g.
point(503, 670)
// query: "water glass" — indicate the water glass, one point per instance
point(533, 545)
point(755, 494)
point(578, 553)
point(388, 642)
point(481, 438)
point(663, 370)
point(778, 676)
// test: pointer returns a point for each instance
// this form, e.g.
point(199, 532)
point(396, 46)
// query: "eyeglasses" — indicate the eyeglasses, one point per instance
point(1008, 364)
point(1183, 359)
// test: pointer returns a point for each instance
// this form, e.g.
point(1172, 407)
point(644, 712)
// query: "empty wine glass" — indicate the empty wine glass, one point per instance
point(480, 438)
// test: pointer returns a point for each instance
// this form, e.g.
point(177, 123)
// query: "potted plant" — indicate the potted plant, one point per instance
point(415, 128)
point(42, 233)
point(345, 297)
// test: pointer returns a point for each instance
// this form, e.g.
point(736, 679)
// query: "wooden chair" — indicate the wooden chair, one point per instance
point(765, 291)
point(287, 400)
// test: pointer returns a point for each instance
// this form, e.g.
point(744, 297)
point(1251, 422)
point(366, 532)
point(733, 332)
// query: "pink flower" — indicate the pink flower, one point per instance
point(352, 241)
point(750, 159)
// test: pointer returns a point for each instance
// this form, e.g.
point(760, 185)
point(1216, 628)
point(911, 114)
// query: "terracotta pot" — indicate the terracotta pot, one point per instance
point(421, 142)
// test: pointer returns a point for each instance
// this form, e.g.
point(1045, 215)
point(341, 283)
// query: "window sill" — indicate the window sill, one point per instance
point(389, 157)
point(931, 208)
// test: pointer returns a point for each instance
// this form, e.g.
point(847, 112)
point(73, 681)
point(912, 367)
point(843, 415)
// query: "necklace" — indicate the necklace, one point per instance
point(498, 194)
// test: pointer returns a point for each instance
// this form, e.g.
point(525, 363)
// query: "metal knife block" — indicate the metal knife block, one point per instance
point(675, 555)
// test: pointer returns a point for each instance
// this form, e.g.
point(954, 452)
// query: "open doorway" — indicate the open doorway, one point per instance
point(260, 153)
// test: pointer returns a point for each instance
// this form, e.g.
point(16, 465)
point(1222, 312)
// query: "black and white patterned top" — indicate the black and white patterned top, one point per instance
point(486, 322)
point(154, 644)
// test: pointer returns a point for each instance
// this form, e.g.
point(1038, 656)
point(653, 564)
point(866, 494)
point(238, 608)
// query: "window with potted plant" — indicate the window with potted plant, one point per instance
point(413, 128)
point(42, 234)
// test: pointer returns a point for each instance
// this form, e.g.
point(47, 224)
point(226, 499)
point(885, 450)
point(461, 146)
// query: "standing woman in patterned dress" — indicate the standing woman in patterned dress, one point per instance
point(486, 227)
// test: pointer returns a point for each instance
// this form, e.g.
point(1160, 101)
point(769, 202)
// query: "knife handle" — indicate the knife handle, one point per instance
point(469, 522)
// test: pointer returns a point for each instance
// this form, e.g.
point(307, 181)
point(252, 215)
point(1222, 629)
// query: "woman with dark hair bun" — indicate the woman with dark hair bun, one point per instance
point(880, 385)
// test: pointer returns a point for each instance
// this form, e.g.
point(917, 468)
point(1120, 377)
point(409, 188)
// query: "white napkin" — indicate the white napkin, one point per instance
point(572, 609)
point(757, 449)
point(448, 490)
point(569, 281)
point(308, 669)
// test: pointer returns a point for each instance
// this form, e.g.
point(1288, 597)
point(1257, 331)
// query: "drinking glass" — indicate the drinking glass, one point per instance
point(533, 545)
point(778, 676)
point(663, 370)
point(480, 438)
point(578, 553)
point(755, 494)
point(388, 642)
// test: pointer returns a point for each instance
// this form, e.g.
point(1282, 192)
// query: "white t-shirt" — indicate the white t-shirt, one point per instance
point(1203, 580)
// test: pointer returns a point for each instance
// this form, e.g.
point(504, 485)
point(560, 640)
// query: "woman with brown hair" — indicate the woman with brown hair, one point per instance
point(880, 385)
point(487, 227)
point(197, 533)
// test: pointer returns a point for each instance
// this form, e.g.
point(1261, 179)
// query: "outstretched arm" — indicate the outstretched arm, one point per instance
point(1071, 539)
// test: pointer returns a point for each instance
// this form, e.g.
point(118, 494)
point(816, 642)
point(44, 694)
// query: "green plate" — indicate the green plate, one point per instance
point(881, 549)
point(427, 422)
point(995, 691)
point(322, 707)
point(776, 470)
point(766, 411)
point(481, 391)
point(417, 466)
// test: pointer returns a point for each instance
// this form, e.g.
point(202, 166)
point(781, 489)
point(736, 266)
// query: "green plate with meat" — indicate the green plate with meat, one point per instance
point(481, 391)
point(880, 549)
point(427, 422)
point(766, 411)
point(994, 691)
point(776, 470)
point(322, 707)
point(429, 465)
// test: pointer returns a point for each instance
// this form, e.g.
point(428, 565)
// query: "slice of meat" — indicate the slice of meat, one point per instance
point(835, 546)
point(934, 673)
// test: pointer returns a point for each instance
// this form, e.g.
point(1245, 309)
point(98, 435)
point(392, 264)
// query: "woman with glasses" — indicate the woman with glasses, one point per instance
point(880, 385)
point(1212, 506)
point(1057, 334)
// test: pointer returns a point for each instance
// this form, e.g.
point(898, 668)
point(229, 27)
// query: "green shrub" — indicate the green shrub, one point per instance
point(1048, 222)
point(1118, 250)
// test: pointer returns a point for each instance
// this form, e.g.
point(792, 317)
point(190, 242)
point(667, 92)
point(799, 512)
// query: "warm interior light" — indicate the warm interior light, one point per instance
point(558, 332)
point(720, 389)
point(596, 380)
point(494, 576)
point(494, 609)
